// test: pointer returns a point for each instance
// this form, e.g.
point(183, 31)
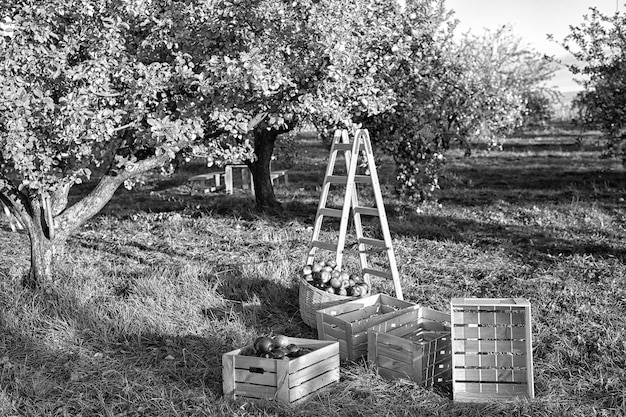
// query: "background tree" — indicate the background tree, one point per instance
point(473, 88)
point(599, 45)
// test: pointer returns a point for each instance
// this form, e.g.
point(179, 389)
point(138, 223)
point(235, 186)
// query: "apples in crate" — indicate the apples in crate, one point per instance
point(327, 276)
point(277, 347)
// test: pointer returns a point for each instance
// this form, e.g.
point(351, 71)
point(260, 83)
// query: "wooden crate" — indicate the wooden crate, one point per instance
point(491, 349)
point(415, 345)
point(348, 322)
point(288, 381)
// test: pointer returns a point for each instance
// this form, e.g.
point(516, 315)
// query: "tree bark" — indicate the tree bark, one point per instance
point(264, 141)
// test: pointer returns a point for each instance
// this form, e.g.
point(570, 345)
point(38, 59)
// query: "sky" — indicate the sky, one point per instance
point(532, 20)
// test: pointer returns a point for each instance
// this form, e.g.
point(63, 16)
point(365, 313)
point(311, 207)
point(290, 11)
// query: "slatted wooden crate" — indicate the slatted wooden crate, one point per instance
point(348, 322)
point(415, 345)
point(288, 381)
point(491, 349)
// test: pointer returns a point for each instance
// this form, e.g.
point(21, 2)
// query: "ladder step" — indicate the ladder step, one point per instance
point(378, 273)
point(324, 245)
point(343, 146)
point(365, 251)
point(373, 242)
point(368, 211)
point(342, 179)
point(329, 212)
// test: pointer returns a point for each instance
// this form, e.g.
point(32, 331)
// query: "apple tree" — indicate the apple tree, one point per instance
point(599, 46)
point(103, 90)
point(455, 90)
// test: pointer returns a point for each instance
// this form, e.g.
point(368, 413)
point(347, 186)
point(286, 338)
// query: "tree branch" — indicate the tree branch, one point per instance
point(78, 214)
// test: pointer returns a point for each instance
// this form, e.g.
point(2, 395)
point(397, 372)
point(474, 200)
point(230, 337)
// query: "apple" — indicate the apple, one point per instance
point(281, 341)
point(263, 344)
point(341, 291)
point(279, 352)
point(248, 351)
point(332, 263)
point(317, 267)
point(325, 276)
point(335, 282)
point(330, 290)
point(355, 291)
point(307, 270)
point(292, 348)
point(335, 274)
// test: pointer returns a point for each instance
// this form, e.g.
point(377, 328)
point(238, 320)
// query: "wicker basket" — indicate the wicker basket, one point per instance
point(312, 299)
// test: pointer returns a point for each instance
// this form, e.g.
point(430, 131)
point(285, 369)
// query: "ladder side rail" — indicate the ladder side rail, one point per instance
point(356, 216)
point(381, 212)
point(345, 212)
point(319, 217)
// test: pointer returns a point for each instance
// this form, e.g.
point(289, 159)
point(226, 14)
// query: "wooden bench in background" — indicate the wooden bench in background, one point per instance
point(216, 180)
point(211, 181)
point(246, 177)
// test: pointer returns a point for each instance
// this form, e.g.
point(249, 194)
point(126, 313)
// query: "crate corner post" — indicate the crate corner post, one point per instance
point(228, 374)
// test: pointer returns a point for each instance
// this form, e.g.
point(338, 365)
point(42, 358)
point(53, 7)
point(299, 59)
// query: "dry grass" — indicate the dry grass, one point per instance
point(166, 280)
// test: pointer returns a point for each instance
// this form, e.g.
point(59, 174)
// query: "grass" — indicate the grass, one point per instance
point(166, 279)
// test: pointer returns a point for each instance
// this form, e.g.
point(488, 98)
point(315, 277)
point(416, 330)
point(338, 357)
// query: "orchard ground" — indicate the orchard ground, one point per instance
point(166, 279)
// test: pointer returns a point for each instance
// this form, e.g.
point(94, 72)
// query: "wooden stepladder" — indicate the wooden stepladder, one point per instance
point(351, 150)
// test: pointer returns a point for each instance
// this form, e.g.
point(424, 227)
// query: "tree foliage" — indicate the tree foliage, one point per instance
point(599, 45)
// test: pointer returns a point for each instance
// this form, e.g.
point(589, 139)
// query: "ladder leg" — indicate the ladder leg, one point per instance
point(356, 217)
point(382, 215)
point(330, 168)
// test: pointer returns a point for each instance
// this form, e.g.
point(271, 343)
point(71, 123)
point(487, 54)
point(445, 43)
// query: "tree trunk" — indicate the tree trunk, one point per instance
point(45, 245)
point(43, 255)
point(264, 141)
point(49, 226)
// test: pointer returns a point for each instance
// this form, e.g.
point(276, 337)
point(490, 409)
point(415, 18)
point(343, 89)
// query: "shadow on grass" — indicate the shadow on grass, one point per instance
point(97, 373)
point(483, 185)
point(80, 360)
point(531, 243)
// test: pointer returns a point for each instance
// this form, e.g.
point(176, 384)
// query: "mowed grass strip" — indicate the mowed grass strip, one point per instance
point(155, 289)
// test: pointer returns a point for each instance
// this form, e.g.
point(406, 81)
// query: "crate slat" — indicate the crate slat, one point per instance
point(249, 377)
point(363, 313)
point(256, 391)
point(312, 386)
point(490, 332)
point(489, 375)
point(303, 375)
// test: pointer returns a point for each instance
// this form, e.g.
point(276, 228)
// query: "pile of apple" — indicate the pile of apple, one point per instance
point(277, 347)
point(328, 277)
